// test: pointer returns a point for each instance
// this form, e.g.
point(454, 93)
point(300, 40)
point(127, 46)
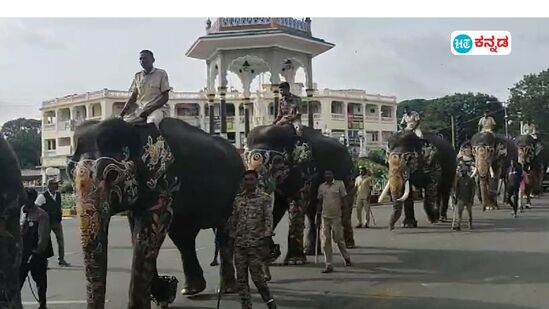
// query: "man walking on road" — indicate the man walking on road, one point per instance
point(251, 227)
point(50, 201)
point(331, 195)
point(35, 233)
point(362, 187)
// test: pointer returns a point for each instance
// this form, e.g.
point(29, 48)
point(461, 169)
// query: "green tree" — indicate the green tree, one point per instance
point(436, 113)
point(529, 100)
point(24, 137)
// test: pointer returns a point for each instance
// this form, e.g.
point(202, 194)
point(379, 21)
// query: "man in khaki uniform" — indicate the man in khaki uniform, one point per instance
point(288, 108)
point(331, 194)
point(362, 187)
point(486, 123)
point(150, 92)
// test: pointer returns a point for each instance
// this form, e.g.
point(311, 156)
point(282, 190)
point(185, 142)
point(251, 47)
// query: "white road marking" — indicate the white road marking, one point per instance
point(59, 302)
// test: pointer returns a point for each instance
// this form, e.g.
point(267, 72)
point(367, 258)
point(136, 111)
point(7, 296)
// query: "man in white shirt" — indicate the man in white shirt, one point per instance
point(410, 121)
point(486, 123)
point(150, 92)
point(50, 201)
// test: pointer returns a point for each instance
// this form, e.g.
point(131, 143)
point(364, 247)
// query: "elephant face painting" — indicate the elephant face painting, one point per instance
point(271, 165)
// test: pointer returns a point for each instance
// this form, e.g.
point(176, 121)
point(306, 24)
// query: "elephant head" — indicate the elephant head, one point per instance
point(526, 150)
point(411, 160)
point(272, 152)
point(111, 172)
point(489, 151)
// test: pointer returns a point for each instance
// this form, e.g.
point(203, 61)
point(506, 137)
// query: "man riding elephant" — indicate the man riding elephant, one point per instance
point(428, 163)
point(166, 181)
point(288, 109)
point(486, 123)
point(493, 154)
point(12, 196)
point(411, 121)
point(293, 170)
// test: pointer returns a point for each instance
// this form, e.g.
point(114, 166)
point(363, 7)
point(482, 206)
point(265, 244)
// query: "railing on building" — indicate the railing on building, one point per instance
point(354, 94)
point(237, 23)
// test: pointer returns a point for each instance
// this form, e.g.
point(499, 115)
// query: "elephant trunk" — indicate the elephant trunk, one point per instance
point(94, 217)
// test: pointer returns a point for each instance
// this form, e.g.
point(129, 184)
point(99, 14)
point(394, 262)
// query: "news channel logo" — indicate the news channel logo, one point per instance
point(470, 43)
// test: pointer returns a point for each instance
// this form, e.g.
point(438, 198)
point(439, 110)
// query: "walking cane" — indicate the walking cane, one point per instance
point(453, 205)
point(372, 216)
point(218, 297)
point(316, 238)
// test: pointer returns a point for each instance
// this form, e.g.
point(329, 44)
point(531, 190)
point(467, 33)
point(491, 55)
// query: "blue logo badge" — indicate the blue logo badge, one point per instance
point(462, 43)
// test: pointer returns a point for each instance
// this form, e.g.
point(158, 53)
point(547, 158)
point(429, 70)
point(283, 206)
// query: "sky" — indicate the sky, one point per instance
point(409, 58)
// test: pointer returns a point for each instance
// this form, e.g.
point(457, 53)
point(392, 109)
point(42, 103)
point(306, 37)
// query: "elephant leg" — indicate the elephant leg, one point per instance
point(149, 231)
point(442, 204)
point(409, 214)
point(429, 204)
point(10, 262)
point(296, 218)
point(183, 235)
point(228, 282)
point(279, 209)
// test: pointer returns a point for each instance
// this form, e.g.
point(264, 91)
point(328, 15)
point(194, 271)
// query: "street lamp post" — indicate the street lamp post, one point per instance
point(362, 152)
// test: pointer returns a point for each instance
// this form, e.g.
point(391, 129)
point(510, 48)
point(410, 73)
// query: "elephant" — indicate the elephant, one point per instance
point(534, 159)
point(493, 154)
point(12, 195)
point(173, 180)
point(428, 163)
point(292, 168)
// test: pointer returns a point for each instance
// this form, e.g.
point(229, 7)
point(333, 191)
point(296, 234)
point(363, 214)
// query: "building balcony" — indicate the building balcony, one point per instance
point(372, 117)
point(59, 151)
point(387, 119)
point(49, 126)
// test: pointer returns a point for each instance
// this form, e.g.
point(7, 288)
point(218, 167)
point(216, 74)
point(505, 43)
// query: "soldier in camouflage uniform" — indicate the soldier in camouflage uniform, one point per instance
point(251, 226)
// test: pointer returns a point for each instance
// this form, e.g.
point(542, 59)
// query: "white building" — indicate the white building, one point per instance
point(336, 112)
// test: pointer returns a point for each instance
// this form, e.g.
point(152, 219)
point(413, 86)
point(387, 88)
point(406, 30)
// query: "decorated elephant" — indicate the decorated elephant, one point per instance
point(176, 180)
point(534, 157)
point(11, 197)
point(292, 169)
point(427, 163)
point(493, 154)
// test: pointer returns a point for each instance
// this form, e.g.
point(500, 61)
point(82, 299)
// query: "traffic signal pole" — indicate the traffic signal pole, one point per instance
point(453, 131)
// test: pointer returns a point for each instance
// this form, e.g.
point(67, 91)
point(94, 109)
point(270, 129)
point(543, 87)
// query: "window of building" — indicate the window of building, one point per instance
point(96, 110)
point(117, 107)
point(386, 111)
point(271, 109)
point(315, 107)
point(50, 144)
point(64, 141)
point(231, 136)
point(354, 109)
point(372, 136)
point(49, 117)
point(386, 135)
point(230, 110)
point(187, 109)
point(241, 109)
point(337, 107)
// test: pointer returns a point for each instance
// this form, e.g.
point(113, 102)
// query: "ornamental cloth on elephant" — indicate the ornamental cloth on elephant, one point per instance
point(152, 163)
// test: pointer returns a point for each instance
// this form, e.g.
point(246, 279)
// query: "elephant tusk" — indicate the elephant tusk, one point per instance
point(492, 172)
point(406, 192)
point(383, 193)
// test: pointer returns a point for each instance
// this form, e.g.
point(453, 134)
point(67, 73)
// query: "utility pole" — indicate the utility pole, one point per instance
point(453, 131)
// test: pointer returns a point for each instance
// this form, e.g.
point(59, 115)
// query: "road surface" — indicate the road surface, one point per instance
point(502, 264)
